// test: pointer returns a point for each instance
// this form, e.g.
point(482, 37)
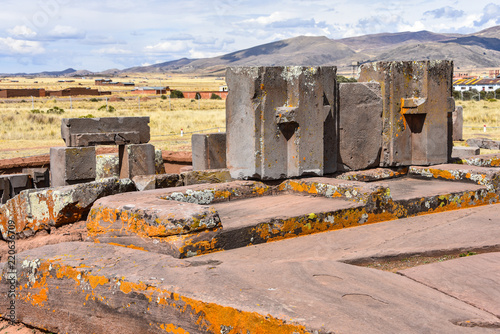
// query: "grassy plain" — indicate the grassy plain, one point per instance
point(24, 133)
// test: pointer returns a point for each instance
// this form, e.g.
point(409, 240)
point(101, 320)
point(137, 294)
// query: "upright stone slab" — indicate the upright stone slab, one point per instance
point(458, 123)
point(209, 151)
point(136, 159)
point(360, 126)
point(4, 189)
point(417, 124)
point(18, 183)
point(105, 131)
point(107, 165)
point(39, 176)
point(281, 121)
point(72, 165)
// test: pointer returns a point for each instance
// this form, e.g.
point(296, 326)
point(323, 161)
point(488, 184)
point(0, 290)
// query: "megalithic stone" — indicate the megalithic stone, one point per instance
point(209, 150)
point(281, 121)
point(417, 107)
point(458, 123)
point(72, 165)
point(105, 131)
point(360, 125)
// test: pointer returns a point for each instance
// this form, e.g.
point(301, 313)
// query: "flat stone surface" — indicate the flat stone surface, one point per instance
point(408, 188)
point(472, 279)
point(485, 143)
point(461, 152)
point(434, 234)
point(252, 211)
point(251, 294)
point(484, 160)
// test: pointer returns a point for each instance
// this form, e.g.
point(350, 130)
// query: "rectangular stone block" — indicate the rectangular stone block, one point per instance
point(71, 165)
point(417, 108)
point(360, 126)
point(462, 152)
point(159, 164)
point(281, 121)
point(105, 131)
point(209, 151)
point(458, 123)
point(107, 165)
point(4, 189)
point(488, 144)
point(18, 183)
point(40, 176)
point(136, 159)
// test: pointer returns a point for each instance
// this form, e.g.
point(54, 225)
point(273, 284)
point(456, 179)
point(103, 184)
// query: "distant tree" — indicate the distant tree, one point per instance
point(457, 95)
point(197, 96)
point(176, 94)
point(215, 97)
point(342, 79)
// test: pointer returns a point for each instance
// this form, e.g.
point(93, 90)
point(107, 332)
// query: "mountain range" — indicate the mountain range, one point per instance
point(477, 50)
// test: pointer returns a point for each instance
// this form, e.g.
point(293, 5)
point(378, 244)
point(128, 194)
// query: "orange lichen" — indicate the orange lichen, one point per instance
point(94, 281)
point(171, 328)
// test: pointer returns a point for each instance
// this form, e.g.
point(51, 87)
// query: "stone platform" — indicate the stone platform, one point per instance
point(299, 285)
point(194, 220)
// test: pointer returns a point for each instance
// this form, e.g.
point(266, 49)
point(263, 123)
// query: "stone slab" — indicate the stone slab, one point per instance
point(4, 190)
point(281, 121)
point(457, 231)
point(417, 112)
point(360, 125)
point(485, 143)
point(458, 123)
point(105, 131)
point(206, 176)
point(64, 285)
point(489, 177)
point(474, 280)
point(136, 159)
point(35, 210)
point(39, 176)
point(17, 183)
point(374, 174)
point(107, 165)
point(71, 165)
point(159, 164)
point(209, 151)
point(484, 160)
point(253, 211)
point(462, 152)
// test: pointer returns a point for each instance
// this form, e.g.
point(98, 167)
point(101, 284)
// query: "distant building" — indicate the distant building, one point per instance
point(74, 91)
point(109, 82)
point(150, 90)
point(9, 92)
point(488, 85)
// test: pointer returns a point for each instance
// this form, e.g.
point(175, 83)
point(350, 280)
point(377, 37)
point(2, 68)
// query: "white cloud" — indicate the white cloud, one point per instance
point(491, 15)
point(266, 20)
point(113, 50)
point(11, 46)
point(168, 47)
point(203, 54)
point(22, 32)
point(66, 32)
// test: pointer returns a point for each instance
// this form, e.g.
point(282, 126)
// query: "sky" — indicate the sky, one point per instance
point(96, 35)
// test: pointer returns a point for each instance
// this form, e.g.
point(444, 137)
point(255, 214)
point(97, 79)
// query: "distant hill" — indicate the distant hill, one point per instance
point(477, 50)
point(481, 49)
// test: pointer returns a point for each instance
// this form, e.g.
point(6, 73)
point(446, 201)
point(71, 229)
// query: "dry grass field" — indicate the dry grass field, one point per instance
point(25, 133)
